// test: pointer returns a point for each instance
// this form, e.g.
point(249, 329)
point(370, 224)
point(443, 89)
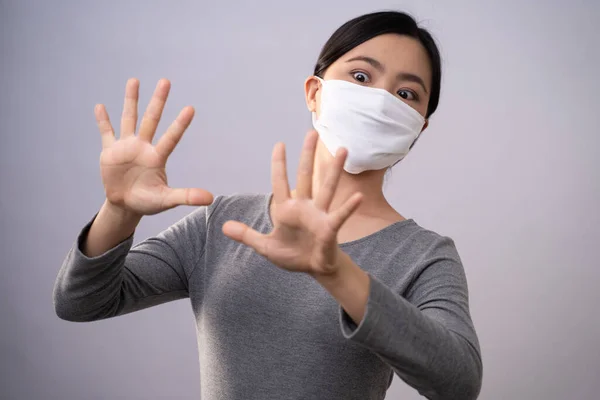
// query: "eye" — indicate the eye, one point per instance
point(360, 77)
point(407, 94)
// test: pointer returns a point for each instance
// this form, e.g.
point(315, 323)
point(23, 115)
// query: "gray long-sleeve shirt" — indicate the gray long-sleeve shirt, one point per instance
point(265, 333)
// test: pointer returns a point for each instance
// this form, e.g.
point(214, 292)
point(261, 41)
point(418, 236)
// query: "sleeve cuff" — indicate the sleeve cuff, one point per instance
point(363, 331)
point(113, 253)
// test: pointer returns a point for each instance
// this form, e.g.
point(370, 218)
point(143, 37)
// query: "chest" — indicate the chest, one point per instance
point(247, 296)
point(259, 320)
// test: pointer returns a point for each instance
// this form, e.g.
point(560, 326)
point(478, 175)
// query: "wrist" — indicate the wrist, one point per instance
point(339, 272)
point(111, 226)
point(349, 285)
point(120, 216)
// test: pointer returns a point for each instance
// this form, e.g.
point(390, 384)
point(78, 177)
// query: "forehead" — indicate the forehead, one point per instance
point(397, 53)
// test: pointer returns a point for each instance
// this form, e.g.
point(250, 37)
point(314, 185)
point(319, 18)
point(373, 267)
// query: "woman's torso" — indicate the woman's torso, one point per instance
point(261, 327)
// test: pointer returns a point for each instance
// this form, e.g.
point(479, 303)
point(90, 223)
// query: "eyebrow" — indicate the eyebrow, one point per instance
point(403, 76)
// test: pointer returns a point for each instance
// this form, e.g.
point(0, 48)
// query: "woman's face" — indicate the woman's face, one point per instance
point(398, 64)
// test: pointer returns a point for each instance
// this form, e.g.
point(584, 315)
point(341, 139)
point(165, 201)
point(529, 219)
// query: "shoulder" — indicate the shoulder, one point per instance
point(235, 206)
point(239, 206)
point(431, 243)
point(410, 241)
point(436, 259)
point(424, 251)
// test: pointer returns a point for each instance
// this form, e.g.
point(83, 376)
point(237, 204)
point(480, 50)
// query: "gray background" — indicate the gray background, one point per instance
point(508, 168)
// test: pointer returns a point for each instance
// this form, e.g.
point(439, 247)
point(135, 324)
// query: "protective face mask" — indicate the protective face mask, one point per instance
point(377, 128)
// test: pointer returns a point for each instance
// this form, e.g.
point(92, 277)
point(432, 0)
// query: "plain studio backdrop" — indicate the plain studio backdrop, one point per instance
point(508, 168)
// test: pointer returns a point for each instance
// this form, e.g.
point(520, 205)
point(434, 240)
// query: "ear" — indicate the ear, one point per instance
point(311, 87)
point(424, 127)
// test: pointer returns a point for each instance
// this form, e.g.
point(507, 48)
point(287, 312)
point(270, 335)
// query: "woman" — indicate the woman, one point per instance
point(322, 292)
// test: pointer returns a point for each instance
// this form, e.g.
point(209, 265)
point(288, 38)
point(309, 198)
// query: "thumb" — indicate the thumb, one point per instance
point(187, 197)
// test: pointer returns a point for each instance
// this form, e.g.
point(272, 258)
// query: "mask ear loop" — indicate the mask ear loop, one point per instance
point(414, 142)
point(409, 149)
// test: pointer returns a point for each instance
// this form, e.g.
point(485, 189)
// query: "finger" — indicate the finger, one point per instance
point(130, 105)
point(330, 184)
point(279, 180)
point(171, 138)
point(186, 197)
point(106, 130)
point(154, 110)
point(246, 235)
point(339, 216)
point(305, 169)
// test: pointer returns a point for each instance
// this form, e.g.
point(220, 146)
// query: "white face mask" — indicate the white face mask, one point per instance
point(376, 127)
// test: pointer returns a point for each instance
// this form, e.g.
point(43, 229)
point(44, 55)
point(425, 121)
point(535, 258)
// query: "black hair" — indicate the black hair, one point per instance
point(368, 26)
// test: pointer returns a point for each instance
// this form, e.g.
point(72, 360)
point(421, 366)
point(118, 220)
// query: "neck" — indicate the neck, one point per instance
point(369, 183)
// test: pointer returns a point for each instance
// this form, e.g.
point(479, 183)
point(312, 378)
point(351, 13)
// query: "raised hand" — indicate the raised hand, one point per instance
point(132, 169)
point(304, 238)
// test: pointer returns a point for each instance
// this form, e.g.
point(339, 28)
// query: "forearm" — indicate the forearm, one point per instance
point(110, 227)
point(88, 286)
point(421, 349)
point(349, 286)
point(126, 278)
point(439, 362)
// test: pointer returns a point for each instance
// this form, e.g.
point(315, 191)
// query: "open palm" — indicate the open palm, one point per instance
point(304, 237)
point(132, 169)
